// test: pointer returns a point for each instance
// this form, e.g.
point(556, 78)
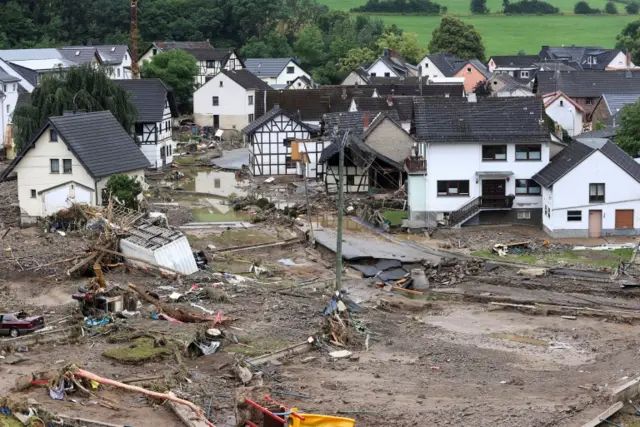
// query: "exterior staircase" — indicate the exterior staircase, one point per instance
point(476, 205)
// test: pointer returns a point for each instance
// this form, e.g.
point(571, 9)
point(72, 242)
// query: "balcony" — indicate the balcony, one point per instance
point(496, 202)
point(415, 165)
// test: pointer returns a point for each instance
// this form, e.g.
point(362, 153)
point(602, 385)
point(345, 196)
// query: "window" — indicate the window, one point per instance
point(138, 128)
point(250, 99)
point(66, 166)
point(216, 183)
point(561, 103)
point(33, 194)
point(524, 74)
point(53, 135)
point(290, 70)
point(289, 163)
point(494, 152)
point(528, 186)
point(215, 101)
point(596, 193)
point(351, 180)
point(4, 88)
point(588, 101)
point(250, 118)
point(453, 188)
point(8, 109)
point(126, 57)
point(286, 142)
point(387, 74)
point(221, 83)
point(373, 74)
point(15, 87)
point(289, 82)
point(574, 216)
point(528, 152)
point(468, 69)
point(55, 165)
point(523, 215)
point(211, 64)
point(118, 72)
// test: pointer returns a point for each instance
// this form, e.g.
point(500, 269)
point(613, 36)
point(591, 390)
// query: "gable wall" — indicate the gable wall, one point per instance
point(429, 69)
point(379, 68)
point(566, 115)
point(471, 77)
point(285, 78)
point(233, 107)
point(390, 141)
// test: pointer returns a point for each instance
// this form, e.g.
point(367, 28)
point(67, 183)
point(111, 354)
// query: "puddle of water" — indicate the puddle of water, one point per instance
point(220, 183)
point(519, 339)
point(331, 221)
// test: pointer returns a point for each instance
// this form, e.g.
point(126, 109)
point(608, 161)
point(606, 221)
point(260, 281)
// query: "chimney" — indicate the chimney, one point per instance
point(390, 100)
point(393, 53)
point(472, 98)
point(628, 59)
point(344, 92)
point(365, 123)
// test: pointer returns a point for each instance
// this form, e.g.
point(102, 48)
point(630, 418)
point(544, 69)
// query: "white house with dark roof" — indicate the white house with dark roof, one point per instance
point(590, 189)
point(210, 60)
point(566, 112)
point(9, 92)
point(70, 160)
point(276, 72)
point(588, 57)
point(479, 159)
point(392, 64)
point(228, 100)
point(521, 67)
point(157, 108)
point(115, 58)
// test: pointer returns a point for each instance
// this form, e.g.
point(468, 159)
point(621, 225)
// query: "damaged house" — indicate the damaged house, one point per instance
point(70, 161)
point(375, 152)
point(480, 157)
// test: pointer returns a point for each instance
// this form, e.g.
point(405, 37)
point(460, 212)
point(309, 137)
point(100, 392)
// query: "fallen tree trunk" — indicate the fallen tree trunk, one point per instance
point(181, 315)
point(163, 396)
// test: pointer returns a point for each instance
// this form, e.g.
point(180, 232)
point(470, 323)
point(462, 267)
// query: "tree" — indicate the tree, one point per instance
point(479, 7)
point(611, 8)
point(310, 46)
point(356, 58)
point(176, 68)
point(629, 40)
point(405, 44)
point(521, 52)
point(482, 88)
point(583, 8)
point(83, 88)
point(632, 8)
point(628, 134)
point(455, 37)
point(273, 45)
point(125, 189)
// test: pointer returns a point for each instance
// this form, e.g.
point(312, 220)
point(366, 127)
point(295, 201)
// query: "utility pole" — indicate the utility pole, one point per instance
point(340, 210)
point(133, 40)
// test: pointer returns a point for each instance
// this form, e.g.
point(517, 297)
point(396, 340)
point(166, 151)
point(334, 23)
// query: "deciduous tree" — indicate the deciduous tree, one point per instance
point(629, 40)
point(628, 134)
point(355, 58)
point(479, 7)
point(177, 69)
point(310, 46)
point(455, 37)
point(406, 44)
point(611, 8)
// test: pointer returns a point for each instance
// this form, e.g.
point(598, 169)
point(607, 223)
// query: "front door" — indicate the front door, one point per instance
point(595, 223)
point(493, 193)
point(216, 121)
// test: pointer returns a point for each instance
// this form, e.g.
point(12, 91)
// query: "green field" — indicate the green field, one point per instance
point(461, 7)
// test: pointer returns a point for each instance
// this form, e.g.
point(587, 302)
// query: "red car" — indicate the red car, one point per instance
point(16, 324)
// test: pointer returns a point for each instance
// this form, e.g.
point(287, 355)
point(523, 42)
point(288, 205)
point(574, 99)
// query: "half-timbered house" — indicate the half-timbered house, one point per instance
point(281, 144)
point(156, 107)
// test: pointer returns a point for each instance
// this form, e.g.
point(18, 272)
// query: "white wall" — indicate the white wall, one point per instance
point(454, 162)
point(620, 62)
point(514, 93)
point(63, 197)
point(352, 79)
point(360, 182)
point(286, 77)
point(24, 83)
point(566, 115)
point(429, 69)
point(417, 193)
point(379, 68)
point(571, 192)
point(7, 106)
point(233, 103)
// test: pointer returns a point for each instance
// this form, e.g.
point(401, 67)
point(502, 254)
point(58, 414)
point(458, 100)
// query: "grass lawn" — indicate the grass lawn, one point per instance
point(461, 7)
point(395, 217)
point(595, 258)
point(506, 35)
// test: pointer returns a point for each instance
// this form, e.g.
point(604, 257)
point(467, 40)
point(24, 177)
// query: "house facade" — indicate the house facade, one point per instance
point(588, 57)
point(517, 66)
point(156, 110)
point(281, 144)
point(591, 189)
point(504, 86)
point(210, 60)
point(391, 64)
point(356, 77)
point(565, 112)
point(276, 72)
point(228, 100)
point(9, 92)
point(609, 105)
point(473, 72)
point(61, 165)
point(479, 160)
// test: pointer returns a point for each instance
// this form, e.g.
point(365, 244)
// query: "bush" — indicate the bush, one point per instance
point(530, 7)
point(421, 7)
point(583, 8)
point(611, 8)
point(632, 8)
point(125, 188)
point(479, 7)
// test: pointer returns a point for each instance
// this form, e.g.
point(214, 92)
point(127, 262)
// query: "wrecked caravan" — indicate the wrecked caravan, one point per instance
point(161, 246)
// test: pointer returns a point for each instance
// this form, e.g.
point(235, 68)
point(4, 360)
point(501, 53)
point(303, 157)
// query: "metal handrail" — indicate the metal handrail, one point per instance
point(472, 206)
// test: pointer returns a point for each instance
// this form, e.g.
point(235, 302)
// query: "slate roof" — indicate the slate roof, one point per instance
point(202, 51)
point(308, 104)
point(448, 64)
point(589, 84)
point(397, 64)
point(113, 54)
point(29, 54)
point(402, 105)
point(267, 67)
point(79, 54)
point(149, 95)
point(97, 140)
point(455, 120)
point(410, 87)
point(615, 101)
point(481, 67)
point(608, 132)
point(355, 143)
point(581, 54)
point(577, 152)
point(353, 120)
point(270, 115)
point(558, 65)
point(246, 79)
point(511, 83)
point(29, 75)
point(7, 78)
point(515, 61)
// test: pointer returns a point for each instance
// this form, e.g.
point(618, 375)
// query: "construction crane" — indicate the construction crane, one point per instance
point(133, 40)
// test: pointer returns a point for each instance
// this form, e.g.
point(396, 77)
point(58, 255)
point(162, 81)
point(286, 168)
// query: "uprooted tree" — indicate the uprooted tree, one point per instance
point(124, 188)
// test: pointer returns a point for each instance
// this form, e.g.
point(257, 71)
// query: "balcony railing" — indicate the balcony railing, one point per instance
point(496, 202)
point(415, 164)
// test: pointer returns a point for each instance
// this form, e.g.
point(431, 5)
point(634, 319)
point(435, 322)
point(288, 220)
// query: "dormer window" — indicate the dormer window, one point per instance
point(524, 74)
point(113, 49)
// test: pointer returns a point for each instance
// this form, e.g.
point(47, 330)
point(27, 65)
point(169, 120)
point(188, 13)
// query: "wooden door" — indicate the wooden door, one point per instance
point(595, 223)
point(624, 218)
point(493, 193)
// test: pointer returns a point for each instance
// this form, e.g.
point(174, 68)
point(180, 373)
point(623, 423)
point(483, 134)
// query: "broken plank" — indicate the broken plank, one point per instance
point(186, 415)
point(604, 415)
point(294, 349)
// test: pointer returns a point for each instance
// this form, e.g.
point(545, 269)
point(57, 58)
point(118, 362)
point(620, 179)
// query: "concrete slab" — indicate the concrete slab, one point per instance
point(232, 159)
point(626, 392)
point(604, 415)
